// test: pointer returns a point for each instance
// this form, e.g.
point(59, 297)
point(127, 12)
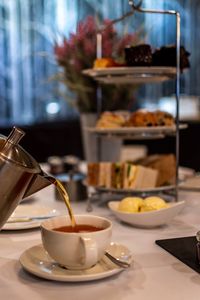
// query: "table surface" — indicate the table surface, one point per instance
point(155, 273)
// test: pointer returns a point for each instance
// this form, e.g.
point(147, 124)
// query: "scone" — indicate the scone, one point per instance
point(163, 118)
point(145, 118)
point(141, 118)
point(110, 120)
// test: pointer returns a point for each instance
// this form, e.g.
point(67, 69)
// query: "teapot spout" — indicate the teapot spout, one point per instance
point(37, 183)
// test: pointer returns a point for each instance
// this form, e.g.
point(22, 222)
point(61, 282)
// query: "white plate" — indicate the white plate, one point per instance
point(137, 130)
point(36, 261)
point(147, 219)
point(29, 211)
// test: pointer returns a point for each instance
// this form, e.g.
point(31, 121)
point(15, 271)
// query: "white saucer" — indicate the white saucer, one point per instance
point(29, 211)
point(36, 261)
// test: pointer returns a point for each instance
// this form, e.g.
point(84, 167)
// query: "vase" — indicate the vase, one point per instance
point(98, 148)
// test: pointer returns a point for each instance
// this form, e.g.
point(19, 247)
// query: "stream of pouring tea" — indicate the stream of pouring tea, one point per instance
point(63, 193)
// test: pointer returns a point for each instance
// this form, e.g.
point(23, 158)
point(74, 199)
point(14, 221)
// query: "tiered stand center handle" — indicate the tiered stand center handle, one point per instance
point(138, 7)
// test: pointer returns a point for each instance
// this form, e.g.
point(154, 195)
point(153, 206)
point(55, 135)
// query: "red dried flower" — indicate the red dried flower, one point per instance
point(78, 52)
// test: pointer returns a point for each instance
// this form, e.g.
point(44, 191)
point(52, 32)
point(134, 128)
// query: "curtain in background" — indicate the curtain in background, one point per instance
point(28, 29)
point(27, 34)
point(162, 31)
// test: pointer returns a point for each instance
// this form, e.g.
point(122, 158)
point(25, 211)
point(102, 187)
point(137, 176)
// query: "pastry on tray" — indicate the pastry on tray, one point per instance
point(145, 118)
point(139, 118)
point(110, 119)
point(140, 55)
point(143, 56)
point(163, 118)
point(104, 62)
point(166, 56)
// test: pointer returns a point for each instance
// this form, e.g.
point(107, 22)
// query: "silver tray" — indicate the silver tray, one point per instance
point(139, 191)
point(126, 75)
point(138, 132)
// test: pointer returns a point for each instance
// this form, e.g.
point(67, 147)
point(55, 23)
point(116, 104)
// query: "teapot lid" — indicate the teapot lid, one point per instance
point(12, 151)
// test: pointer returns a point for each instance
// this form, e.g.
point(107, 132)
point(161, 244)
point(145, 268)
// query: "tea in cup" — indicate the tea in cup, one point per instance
point(76, 247)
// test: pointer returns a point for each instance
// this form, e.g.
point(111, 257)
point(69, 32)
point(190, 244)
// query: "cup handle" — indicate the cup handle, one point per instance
point(90, 252)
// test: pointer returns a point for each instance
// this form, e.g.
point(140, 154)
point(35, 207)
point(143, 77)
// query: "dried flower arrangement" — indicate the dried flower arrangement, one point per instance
point(78, 52)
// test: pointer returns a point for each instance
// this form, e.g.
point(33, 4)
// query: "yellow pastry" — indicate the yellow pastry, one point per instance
point(153, 203)
point(130, 204)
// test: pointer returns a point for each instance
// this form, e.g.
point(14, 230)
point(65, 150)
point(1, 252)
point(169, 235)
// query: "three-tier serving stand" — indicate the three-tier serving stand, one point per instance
point(137, 75)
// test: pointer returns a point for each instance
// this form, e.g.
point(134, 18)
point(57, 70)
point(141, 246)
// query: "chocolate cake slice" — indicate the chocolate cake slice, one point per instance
point(140, 55)
point(166, 56)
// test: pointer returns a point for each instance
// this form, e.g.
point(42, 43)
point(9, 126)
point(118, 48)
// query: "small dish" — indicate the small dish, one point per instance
point(36, 261)
point(35, 212)
point(185, 173)
point(147, 219)
point(191, 184)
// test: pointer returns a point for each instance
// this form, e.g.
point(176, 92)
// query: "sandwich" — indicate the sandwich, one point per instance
point(117, 175)
point(111, 174)
point(139, 177)
point(104, 179)
point(165, 164)
point(93, 174)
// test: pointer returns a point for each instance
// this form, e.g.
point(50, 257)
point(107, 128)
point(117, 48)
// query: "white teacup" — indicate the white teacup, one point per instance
point(76, 250)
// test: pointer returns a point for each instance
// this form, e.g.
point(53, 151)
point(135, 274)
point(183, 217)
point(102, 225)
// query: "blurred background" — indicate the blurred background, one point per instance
point(31, 98)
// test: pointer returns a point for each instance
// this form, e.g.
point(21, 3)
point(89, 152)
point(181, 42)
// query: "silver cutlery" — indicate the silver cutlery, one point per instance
point(121, 263)
point(27, 219)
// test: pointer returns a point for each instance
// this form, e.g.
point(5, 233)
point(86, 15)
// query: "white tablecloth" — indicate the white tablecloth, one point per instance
point(155, 273)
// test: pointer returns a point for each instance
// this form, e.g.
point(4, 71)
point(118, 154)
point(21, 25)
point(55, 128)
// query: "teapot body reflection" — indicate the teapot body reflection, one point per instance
point(20, 174)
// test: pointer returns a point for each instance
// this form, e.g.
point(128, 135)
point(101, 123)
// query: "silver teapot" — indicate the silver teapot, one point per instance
point(20, 174)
